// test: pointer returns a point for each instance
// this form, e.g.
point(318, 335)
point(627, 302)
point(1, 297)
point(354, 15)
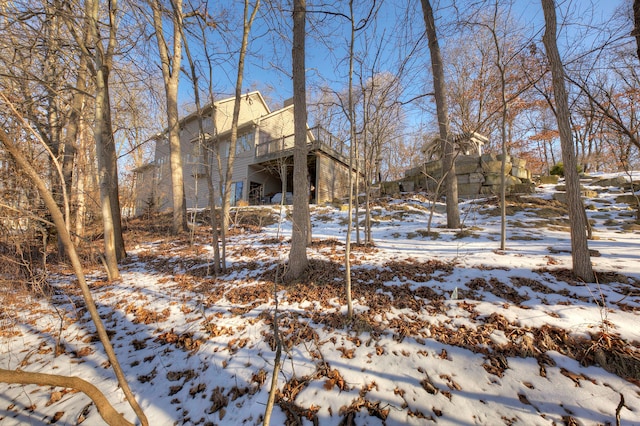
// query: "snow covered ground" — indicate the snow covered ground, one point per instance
point(448, 329)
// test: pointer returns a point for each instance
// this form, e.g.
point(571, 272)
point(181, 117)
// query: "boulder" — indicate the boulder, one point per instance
point(490, 189)
point(433, 169)
point(476, 178)
point(523, 188)
point(415, 171)
point(519, 162)
point(585, 193)
point(560, 196)
point(485, 158)
point(520, 172)
point(512, 181)
point(549, 180)
point(467, 164)
point(467, 189)
point(507, 157)
point(627, 199)
point(462, 179)
point(390, 188)
point(495, 167)
point(408, 185)
point(615, 181)
point(492, 179)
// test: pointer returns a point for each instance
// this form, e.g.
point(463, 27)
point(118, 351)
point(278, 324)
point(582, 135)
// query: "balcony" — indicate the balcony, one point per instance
point(317, 139)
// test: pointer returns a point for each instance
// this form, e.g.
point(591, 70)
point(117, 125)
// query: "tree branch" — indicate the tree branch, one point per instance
point(106, 410)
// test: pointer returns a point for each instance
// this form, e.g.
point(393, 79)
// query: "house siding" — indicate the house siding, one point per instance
point(145, 189)
point(254, 173)
point(332, 179)
point(277, 125)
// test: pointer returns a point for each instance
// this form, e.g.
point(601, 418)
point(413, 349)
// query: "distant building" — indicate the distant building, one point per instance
point(264, 152)
point(468, 143)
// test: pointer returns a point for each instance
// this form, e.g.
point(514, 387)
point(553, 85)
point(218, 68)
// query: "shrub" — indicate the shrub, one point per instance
point(558, 169)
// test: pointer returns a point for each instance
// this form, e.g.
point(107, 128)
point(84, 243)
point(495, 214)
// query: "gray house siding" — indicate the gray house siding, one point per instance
point(256, 176)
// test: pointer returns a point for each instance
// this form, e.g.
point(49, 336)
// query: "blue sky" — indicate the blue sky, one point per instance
point(268, 65)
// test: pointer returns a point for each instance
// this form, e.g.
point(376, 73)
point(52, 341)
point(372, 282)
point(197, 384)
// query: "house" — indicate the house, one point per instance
point(263, 162)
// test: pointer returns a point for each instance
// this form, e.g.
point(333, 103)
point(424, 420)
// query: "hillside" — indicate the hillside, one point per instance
point(448, 329)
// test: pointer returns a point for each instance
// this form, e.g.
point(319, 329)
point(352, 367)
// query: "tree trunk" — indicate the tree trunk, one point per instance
point(205, 145)
point(440, 93)
point(104, 175)
point(80, 197)
point(298, 261)
point(171, 76)
point(179, 223)
point(503, 130)
point(114, 185)
point(353, 162)
point(226, 200)
point(52, 75)
point(105, 144)
point(74, 132)
point(579, 247)
point(636, 25)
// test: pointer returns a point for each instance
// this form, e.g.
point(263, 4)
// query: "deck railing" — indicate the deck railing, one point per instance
point(314, 135)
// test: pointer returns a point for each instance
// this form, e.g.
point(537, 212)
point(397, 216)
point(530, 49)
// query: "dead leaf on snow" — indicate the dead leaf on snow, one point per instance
point(428, 386)
point(55, 397)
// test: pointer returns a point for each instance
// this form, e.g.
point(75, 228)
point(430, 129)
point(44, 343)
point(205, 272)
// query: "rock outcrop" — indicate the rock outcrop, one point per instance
point(477, 175)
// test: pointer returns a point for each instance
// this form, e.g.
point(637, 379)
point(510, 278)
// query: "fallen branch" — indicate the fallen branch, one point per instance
point(106, 410)
point(619, 408)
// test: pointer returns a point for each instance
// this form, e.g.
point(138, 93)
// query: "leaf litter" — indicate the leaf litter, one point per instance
point(522, 342)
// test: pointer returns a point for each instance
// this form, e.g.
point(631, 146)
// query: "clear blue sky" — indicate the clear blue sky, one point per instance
point(268, 67)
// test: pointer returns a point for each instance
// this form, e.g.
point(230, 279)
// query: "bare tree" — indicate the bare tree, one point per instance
point(382, 121)
point(75, 133)
point(440, 93)
point(27, 168)
point(636, 25)
point(504, 55)
point(247, 22)
point(577, 218)
point(353, 162)
point(105, 409)
point(170, 63)
point(298, 261)
point(103, 132)
point(210, 147)
point(205, 143)
point(36, 68)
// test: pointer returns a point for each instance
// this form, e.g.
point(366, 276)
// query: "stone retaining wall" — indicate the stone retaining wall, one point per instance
point(477, 175)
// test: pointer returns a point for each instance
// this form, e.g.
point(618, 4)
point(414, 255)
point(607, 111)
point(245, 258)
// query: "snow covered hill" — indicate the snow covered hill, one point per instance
point(448, 329)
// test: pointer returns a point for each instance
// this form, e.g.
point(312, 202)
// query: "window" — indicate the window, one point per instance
point(224, 149)
point(245, 142)
point(236, 192)
point(207, 123)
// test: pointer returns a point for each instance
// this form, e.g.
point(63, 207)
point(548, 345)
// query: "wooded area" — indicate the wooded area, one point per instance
point(86, 87)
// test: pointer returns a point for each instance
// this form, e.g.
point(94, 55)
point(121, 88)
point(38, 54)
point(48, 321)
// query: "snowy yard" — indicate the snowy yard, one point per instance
point(448, 329)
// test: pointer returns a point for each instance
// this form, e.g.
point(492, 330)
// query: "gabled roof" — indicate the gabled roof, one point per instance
point(276, 112)
point(255, 95)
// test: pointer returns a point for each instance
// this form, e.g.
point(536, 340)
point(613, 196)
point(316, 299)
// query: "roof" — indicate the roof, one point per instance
point(207, 108)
